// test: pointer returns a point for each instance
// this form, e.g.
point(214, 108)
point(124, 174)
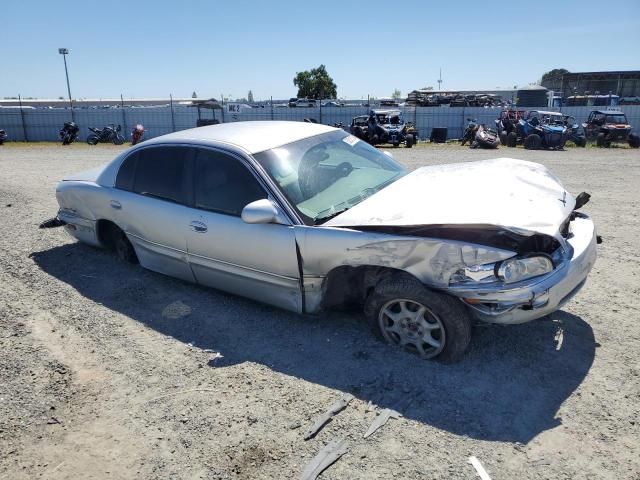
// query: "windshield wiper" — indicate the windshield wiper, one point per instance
point(321, 220)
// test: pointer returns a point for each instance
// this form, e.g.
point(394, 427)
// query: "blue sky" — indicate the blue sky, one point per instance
point(144, 48)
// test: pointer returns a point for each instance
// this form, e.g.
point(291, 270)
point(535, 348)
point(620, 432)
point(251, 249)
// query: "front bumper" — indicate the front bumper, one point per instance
point(537, 297)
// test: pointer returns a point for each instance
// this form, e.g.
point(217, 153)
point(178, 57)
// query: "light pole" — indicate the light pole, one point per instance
point(64, 52)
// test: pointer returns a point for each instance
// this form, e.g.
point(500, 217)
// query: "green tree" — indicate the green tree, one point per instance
point(396, 95)
point(553, 78)
point(250, 96)
point(315, 83)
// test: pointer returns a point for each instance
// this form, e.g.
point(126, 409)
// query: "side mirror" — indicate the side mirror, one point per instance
point(260, 211)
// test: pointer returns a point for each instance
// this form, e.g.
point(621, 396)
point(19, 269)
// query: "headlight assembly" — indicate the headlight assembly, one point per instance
point(522, 268)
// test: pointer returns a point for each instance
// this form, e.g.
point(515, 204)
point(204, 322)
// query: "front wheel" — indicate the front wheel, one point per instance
point(406, 314)
point(503, 138)
point(512, 139)
point(600, 140)
point(634, 140)
point(118, 140)
point(410, 141)
point(532, 142)
point(92, 139)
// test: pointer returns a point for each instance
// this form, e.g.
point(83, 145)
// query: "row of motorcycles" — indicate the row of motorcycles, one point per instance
point(108, 134)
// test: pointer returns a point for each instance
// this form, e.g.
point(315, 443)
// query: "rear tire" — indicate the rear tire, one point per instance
point(118, 140)
point(532, 142)
point(118, 242)
point(404, 313)
point(634, 140)
point(512, 139)
point(92, 139)
point(600, 140)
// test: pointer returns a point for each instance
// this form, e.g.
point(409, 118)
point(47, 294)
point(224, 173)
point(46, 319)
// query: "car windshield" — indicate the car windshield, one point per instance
point(325, 175)
point(616, 119)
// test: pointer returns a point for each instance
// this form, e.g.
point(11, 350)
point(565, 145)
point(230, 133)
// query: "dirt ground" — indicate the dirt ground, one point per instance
point(104, 375)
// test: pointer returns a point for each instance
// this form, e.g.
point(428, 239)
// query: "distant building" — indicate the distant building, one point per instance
point(622, 83)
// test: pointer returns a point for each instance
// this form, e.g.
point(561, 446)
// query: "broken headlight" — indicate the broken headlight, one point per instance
point(522, 268)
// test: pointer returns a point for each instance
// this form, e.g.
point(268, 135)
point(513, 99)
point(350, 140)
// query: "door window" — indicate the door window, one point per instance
point(223, 184)
point(162, 172)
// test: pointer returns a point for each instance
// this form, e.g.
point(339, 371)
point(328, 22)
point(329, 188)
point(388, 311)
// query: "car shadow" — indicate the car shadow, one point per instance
point(508, 387)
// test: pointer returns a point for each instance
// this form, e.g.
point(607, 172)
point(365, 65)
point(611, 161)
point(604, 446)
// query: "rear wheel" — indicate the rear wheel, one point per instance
point(118, 140)
point(532, 142)
point(600, 140)
point(118, 242)
point(92, 139)
point(634, 140)
point(404, 313)
point(512, 139)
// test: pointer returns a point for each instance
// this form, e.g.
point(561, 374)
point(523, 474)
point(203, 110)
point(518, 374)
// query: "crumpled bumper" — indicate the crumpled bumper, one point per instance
point(528, 300)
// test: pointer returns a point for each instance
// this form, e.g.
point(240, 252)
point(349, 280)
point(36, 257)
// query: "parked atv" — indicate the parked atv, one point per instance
point(573, 131)
point(69, 133)
point(542, 130)
point(387, 126)
point(108, 134)
point(506, 126)
point(359, 127)
point(3, 136)
point(479, 136)
point(608, 126)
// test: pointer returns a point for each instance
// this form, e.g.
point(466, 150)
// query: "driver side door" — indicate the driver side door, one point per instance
point(258, 261)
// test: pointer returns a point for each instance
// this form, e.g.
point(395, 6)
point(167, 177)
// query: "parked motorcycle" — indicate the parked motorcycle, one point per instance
point(3, 136)
point(69, 133)
point(137, 134)
point(479, 136)
point(108, 134)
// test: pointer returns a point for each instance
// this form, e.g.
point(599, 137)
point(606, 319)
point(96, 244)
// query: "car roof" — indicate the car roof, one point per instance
point(547, 112)
point(610, 112)
point(253, 137)
point(389, 112)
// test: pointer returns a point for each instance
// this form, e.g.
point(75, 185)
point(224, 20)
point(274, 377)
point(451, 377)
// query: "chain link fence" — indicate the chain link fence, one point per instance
point(43, 124)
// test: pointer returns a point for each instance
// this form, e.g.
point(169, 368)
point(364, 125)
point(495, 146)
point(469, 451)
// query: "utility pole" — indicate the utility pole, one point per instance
point(440, 81)
point(64, 52)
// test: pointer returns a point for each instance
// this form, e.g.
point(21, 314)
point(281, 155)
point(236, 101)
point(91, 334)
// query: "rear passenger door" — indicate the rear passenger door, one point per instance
point(150, 203)
point(258, 261)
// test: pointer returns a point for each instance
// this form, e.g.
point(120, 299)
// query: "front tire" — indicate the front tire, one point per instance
point(92, 139)
point(118, 140)
point(600, 142)
point(634, 140)
point(406, 314)
point(512, 139)
point(532, 142)
point(410, 141)
point(503, 138)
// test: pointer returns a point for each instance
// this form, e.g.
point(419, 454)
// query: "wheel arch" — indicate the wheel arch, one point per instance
point(104, 228)
point(347, 285)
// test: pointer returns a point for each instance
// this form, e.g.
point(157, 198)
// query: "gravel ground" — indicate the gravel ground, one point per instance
point(100, 379)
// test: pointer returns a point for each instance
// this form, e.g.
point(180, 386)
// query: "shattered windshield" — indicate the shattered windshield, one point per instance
point(327, 174)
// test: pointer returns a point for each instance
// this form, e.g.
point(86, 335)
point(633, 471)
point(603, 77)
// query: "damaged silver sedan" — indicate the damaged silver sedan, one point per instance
point(307, 217)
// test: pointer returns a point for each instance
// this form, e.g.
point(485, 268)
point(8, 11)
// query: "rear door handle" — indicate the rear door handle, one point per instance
point(198, 227)
point(116, 204)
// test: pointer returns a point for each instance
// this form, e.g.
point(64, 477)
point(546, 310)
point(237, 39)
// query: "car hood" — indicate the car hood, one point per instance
point(512, 194)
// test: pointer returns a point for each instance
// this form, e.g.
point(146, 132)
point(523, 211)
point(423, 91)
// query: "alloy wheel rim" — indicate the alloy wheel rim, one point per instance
point(412, 326)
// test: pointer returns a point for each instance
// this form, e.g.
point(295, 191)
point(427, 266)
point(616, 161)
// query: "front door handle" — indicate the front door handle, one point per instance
point(116, 204)
point(198, 227)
